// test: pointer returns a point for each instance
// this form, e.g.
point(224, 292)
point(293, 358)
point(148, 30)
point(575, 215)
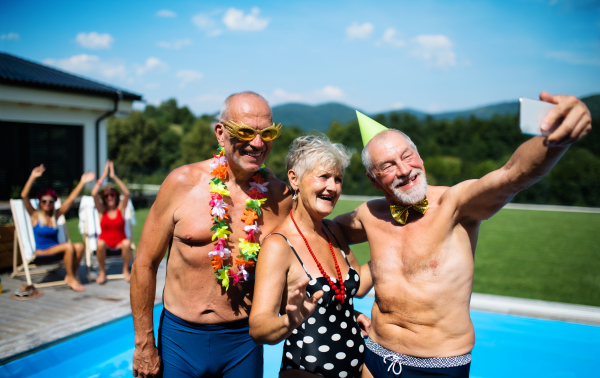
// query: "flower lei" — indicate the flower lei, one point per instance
point(248, 246)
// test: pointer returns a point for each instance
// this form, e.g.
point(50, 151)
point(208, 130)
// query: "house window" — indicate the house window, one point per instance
point(27, 145)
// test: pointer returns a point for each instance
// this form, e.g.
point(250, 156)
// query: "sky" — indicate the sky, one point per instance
point(430, 55)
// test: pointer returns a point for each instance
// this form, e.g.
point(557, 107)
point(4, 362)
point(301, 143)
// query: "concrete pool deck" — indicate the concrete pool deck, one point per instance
point(62, 313)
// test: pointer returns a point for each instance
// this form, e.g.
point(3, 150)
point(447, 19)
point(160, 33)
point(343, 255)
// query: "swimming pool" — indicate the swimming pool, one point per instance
point(506, 346)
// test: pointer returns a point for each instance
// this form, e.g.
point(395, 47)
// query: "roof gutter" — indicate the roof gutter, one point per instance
point(119, 96)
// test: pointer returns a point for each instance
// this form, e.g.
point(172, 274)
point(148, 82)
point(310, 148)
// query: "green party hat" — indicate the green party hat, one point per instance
point(368, 127)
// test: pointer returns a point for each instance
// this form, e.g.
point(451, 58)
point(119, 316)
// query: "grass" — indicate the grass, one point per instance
point(543, 255)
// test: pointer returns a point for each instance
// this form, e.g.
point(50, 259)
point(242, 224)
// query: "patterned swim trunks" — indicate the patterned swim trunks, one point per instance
point(383, 362)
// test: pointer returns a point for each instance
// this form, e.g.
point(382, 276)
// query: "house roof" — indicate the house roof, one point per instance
point(21, 72)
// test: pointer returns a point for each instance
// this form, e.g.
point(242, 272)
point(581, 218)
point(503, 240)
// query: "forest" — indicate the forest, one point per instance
point(146, 146)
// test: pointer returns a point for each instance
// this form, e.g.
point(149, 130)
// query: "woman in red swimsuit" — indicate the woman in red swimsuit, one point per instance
point(112, 222)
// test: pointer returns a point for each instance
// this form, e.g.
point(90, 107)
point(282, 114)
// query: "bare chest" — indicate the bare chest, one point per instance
point(192, 234)
point(423, 250)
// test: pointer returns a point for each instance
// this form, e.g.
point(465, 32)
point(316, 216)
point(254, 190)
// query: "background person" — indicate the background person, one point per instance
point(112, 223)
point(423, 239)
point(205, 306)
point(303, 267)
point(45, 230)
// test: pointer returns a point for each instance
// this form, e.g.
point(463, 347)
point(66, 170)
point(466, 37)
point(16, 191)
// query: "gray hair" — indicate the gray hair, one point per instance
point(366, 156)
point(224, 115)
point(307, 152)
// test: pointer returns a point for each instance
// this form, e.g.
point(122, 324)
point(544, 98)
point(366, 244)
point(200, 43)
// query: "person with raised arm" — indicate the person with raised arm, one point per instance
point(45, 231)
point(307, 277)
point(423, 239)
point(112, 224)
point(212, 216)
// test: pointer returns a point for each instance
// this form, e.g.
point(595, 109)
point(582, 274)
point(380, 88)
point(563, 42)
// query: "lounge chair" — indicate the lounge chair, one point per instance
point(25, 242)
point(89, 227)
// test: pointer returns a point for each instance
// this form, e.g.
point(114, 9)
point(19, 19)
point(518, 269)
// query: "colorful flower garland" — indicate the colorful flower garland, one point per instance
point(248, 246)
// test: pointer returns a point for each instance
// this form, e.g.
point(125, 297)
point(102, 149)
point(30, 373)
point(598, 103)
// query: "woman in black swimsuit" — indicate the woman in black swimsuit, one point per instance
point(307, 277)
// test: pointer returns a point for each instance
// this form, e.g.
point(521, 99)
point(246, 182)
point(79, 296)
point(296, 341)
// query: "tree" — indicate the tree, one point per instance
point(132, 144)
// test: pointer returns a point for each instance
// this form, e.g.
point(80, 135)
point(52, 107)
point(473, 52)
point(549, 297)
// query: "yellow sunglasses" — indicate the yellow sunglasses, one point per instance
point(246, 133)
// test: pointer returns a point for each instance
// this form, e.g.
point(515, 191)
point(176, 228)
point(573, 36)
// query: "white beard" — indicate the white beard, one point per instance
point(413, 195)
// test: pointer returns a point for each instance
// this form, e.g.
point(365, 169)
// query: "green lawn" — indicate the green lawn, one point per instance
point(544, 255)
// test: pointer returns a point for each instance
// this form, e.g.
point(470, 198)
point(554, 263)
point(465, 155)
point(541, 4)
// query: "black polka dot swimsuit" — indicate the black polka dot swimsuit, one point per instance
point(329, 342)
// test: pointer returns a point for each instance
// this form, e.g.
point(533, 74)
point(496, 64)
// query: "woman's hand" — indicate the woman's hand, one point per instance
point(111, 168)
point(37, 171)
point(299, 306)
point(87, 177)
point(364, 323)
point(106, 168)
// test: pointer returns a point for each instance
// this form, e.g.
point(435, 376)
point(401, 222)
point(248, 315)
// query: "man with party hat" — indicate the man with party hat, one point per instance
point(423, 238)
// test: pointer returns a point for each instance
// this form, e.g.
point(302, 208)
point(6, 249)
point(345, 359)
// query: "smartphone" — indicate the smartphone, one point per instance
point(531, 115)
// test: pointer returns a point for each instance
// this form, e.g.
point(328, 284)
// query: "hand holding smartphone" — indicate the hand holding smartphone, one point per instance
point(531, 115)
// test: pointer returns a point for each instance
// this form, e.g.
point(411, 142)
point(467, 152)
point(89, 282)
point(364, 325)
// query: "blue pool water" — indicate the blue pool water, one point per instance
point(506, 346)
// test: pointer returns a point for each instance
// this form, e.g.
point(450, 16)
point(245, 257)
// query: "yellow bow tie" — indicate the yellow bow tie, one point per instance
point(400, 213)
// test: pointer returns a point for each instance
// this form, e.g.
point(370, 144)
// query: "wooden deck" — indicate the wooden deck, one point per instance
point(61, 312)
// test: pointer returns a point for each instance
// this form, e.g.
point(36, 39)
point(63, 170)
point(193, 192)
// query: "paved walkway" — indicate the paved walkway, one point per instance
point(61, 312)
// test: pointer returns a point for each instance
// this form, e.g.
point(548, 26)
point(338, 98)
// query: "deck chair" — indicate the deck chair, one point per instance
point(89, 227)
point(25, 242)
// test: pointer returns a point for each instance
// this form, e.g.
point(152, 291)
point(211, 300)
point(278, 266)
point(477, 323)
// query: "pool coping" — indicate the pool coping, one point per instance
point(533, 308)
point(49, 344)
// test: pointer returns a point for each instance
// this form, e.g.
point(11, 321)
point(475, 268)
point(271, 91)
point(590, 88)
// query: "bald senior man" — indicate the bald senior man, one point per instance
point(423, 240)
point(208, 290)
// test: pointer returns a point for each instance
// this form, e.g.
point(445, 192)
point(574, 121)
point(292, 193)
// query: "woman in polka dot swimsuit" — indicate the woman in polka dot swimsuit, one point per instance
point(293, 299)
point(329, 342)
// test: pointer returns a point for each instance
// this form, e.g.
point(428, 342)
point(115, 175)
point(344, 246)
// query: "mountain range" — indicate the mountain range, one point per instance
point(319, 117)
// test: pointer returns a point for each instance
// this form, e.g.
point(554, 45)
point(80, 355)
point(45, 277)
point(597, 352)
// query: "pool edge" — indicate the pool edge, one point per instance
point(49, 344)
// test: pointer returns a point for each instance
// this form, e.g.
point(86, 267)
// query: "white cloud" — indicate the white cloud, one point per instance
point(282, 96)
point(397, 106)
point(389, 37)
point(166, 13)
point(356, 31)
point(574, 58)
point(330, 92)
point(152, 64)
point(175, 45)
point(188, 76)
point(204, 22)
point(235, 19)
point(90, 65)
point(435, 50)
point(94, 41)
point(10, 36)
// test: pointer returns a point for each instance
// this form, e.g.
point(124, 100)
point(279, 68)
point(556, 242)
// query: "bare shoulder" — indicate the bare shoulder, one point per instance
point(279, 195)
point(275, 248)
point(278, 188)
point(181, 181)
point(186, 175)
point(373, 209)
point(448, 195)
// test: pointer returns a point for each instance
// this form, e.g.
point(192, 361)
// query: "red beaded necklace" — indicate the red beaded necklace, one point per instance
point(340, 293)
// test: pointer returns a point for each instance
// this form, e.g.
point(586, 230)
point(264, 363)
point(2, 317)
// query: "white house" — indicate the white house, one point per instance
point(53, 118)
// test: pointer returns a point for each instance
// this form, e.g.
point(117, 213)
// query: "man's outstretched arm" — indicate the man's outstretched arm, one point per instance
point(156, 235)
point(480, 199)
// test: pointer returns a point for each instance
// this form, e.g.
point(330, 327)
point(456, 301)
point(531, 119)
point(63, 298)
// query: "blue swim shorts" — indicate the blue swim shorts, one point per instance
point(207, 350)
